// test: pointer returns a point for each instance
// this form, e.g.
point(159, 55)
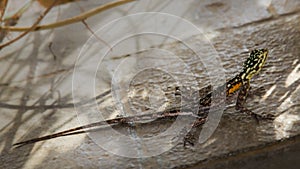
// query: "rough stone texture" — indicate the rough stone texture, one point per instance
point(31, 76)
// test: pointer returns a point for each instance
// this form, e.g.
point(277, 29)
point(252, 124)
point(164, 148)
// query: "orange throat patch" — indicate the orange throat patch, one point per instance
point(234, 88)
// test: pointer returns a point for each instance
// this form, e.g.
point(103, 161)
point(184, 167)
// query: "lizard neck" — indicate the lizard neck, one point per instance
point(232, 86)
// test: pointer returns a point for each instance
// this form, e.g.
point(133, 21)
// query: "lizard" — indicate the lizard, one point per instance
point(241, 83)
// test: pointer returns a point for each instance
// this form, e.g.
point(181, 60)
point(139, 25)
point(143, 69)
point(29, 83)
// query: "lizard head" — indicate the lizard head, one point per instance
point(254, 63)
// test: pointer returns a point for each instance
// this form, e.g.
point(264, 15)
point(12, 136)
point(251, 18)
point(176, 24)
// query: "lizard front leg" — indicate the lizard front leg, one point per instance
point(241, 100)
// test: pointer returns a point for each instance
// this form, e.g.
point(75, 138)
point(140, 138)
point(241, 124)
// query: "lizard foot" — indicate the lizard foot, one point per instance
point(257, 117)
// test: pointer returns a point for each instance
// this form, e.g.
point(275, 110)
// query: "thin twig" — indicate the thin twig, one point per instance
point(11, 21)
point(47, 3)
point(31, 28)
point(52, 52)
point(97, 37)
point(3, 6)
point(72, 20)
point(57, 106)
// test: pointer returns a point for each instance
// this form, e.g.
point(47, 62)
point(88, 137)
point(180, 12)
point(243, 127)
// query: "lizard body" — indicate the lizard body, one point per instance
point(241, 82)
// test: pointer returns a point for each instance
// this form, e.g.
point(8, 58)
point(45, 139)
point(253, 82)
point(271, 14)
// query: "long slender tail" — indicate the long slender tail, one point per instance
point(119, 120)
